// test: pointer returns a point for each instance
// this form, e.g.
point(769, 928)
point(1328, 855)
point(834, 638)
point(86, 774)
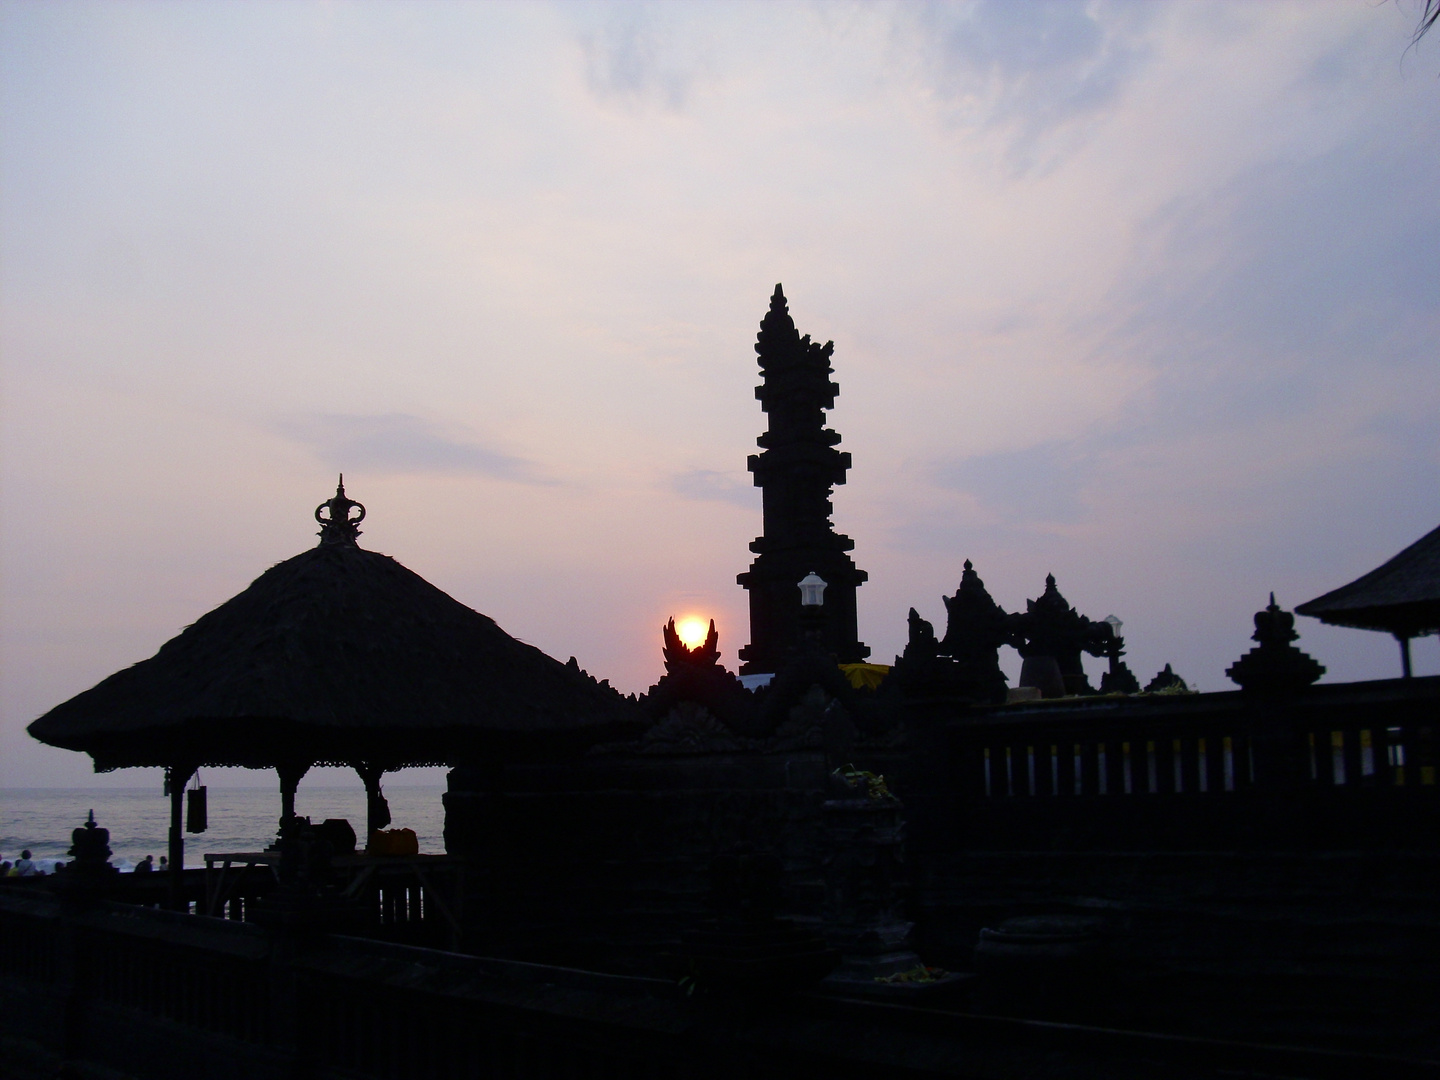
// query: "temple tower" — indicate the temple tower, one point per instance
point(796, 471)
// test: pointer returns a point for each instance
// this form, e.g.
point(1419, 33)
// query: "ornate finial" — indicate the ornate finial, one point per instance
point(339, 527)
point(679, 656)
point(969, 565)
point(1049, 581)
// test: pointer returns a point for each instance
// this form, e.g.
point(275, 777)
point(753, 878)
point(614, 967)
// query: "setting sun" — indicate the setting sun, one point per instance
point(692, 630)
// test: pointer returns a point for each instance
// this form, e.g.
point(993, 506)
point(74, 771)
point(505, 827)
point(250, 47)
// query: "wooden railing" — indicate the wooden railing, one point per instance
point(417, 900)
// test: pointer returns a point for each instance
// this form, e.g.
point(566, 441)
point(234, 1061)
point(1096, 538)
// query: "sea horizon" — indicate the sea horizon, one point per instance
point(41, 819)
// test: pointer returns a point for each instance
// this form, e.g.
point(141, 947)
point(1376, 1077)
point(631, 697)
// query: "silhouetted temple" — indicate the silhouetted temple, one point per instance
point(798, 468)
point(716, 882)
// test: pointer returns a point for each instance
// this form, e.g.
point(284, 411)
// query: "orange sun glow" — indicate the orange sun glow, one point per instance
point(692, 630)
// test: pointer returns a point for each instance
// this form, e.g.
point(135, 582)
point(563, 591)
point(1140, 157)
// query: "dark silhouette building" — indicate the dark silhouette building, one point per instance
point(797, 470)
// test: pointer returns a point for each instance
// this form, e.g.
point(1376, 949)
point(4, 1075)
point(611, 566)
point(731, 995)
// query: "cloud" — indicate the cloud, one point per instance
point(1029, 68)
point(401, 443)
point(715, 486)
point(633, 57)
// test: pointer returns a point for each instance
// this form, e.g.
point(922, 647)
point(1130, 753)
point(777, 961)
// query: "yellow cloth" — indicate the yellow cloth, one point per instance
point(865, 676)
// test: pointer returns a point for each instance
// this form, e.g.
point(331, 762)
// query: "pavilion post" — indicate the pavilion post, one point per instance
point(290, 775)
point(1404, 640)
point(377, 810)
point(176, 776)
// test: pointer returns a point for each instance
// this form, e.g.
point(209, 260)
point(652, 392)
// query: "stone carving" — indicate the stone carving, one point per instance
point(1274, 666)
point(975, 628)
point(90, 850)
point(697, 677)
point(1166, 682)
point(1050, 629)
point(966, 662)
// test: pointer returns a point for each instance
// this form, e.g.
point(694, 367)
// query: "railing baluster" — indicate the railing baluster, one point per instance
point(1164, 765)
point(1354, 777)
point(1064, 752)
point(1215, 764)
point(1369, 761)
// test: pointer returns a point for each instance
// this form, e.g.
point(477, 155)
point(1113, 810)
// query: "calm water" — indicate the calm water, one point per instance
point(240, 819)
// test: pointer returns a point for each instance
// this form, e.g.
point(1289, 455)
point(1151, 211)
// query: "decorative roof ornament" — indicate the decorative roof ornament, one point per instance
point(1275, 665)
point(339, 527)
point(678, 655)
point(1050, 628)
point(975, 623)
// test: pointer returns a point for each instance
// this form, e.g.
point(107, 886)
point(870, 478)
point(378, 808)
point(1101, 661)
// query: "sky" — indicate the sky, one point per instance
point(1144, 295)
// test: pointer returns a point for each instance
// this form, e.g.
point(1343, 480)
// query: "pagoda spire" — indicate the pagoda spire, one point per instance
point(796, 471)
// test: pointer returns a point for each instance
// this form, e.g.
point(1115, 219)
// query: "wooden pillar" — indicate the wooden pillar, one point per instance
point(377, 811)
point(1404, 640)
point(176, 777)
point(290, 774)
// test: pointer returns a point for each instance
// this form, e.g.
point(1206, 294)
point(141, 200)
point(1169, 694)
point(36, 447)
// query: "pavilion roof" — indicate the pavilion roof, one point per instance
point(336, 655)
point(1401, 596)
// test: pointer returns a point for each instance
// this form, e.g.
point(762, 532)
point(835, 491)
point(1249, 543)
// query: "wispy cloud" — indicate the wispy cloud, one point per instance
point(401, 443)
point(635, 56)
point(1029, 68)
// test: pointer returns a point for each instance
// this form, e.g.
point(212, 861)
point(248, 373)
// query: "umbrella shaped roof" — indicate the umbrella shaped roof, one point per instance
point(1402, 596)
point(336, 655)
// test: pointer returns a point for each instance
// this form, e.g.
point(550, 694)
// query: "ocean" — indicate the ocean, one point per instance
point(240, 819)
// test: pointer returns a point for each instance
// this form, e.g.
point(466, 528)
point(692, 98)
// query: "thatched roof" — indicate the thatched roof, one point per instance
point(1401, 597)
point(336, 655)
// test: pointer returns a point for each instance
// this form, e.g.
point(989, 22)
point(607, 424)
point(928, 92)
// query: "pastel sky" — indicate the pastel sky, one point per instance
point(1146, 295)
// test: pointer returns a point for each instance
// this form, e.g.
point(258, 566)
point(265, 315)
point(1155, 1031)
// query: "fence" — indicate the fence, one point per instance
point(1359, 760)
point(417, 900)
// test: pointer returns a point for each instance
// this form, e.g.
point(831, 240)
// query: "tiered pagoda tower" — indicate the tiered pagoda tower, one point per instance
point(796, 471)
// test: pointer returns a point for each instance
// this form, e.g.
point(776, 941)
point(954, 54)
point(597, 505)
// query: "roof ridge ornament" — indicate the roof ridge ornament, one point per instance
point(339, 527)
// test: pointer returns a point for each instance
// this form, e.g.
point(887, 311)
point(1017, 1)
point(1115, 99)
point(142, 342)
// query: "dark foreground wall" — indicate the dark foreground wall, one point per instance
point(165, 996)
point(605, 860)
point(1255, 867)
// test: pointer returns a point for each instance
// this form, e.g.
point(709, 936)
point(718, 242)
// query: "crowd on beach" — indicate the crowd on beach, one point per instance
point(27, 867)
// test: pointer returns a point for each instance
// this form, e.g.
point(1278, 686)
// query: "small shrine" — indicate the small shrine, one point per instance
point(1274, 665)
